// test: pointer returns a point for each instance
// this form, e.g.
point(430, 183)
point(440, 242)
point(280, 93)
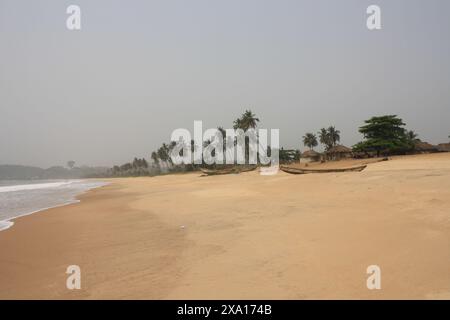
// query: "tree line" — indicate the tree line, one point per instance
point(161, 161)
point(328, 137)
point(382, 135)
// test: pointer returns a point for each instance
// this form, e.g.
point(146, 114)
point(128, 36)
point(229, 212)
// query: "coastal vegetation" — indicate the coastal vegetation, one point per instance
point(386, 135)
point(310, 140)
point(161, 162)
point(382, 136)
point(329, 137)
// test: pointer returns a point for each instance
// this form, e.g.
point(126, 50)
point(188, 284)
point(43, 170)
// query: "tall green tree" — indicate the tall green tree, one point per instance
point(329, 137)
point(334, 135)
point(411, 135)
point(411, 139)
point(247, 121)
point(383, 134)
point(155, 158)
point(164, 154)
point(324, 138)
point(310, 140)
point(223, 132)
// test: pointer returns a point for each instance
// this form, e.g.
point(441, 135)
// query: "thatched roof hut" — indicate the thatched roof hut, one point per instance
point(444, 147)
point(339, 149)
point(338, 152)
point(309, 156)
point(424, 147)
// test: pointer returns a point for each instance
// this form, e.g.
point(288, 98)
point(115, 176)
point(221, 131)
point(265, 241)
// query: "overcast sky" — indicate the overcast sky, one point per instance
point(137, 70)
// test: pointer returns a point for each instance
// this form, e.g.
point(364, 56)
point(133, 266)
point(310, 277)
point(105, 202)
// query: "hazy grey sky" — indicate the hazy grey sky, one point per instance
point(139, 69)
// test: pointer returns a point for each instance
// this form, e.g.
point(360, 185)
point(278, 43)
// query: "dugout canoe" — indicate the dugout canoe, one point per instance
point(230, 170)
point(305, 171)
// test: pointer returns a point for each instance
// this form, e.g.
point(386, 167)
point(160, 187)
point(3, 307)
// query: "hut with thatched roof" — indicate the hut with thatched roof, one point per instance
point(424, 147)
point(339, 152)
point(443, 147)
point(309, 156)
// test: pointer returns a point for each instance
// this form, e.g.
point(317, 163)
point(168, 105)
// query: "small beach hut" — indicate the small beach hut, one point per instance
point(444, 147)
point(424, 147)
point(309, 156)
point(339, 152)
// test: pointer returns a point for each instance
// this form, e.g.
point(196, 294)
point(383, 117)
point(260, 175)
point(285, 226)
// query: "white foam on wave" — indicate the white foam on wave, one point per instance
point(34, 186)
point(6, 224)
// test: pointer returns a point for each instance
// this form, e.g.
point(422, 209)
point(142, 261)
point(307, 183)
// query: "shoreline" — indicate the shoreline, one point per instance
point(61, 231)
point(182, 237)
point(9, 223)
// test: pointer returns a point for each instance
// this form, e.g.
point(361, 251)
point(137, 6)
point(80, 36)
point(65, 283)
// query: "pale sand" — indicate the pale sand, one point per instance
point(244, 236)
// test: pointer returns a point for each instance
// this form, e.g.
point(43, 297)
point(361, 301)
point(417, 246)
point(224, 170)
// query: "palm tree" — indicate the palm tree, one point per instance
point(164, 154)
point(334, 135)
point(412, 136)
point(223, 132)
point(310, 140)
point(246, 121)
point(171, 146)
point(237, 124)
point(155, 158)
point(324, 138)
point(249, 120)
point(329, 137)
point(411, 139)
point(194, 149)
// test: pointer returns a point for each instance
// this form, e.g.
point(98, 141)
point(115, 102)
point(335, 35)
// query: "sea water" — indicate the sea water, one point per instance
point(22, 197)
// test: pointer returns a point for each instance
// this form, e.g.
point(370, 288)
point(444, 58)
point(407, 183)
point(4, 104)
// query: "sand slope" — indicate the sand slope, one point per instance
point(243, 236)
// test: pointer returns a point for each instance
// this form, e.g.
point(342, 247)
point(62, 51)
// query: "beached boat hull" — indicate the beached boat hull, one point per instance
point(236, 169)
point(305, 171)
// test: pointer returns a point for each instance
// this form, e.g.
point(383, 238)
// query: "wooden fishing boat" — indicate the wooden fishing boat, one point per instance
point(246, 168)
point(211, 172)
point(305, 171)
point(228, 170)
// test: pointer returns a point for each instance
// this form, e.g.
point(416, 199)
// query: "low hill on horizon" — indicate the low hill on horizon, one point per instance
point(20, 172)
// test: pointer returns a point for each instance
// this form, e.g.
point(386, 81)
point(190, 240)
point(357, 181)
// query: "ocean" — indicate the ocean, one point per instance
point(23, 197)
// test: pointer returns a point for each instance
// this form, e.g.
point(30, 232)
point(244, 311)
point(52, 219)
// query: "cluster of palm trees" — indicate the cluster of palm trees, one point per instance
point(161, 157)
point(328, 137)
point(246, 121)
point(161, 161)
point(138, 167)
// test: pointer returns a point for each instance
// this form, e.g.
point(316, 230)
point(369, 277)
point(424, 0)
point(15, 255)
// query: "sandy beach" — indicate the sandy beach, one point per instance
point(243, 236)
